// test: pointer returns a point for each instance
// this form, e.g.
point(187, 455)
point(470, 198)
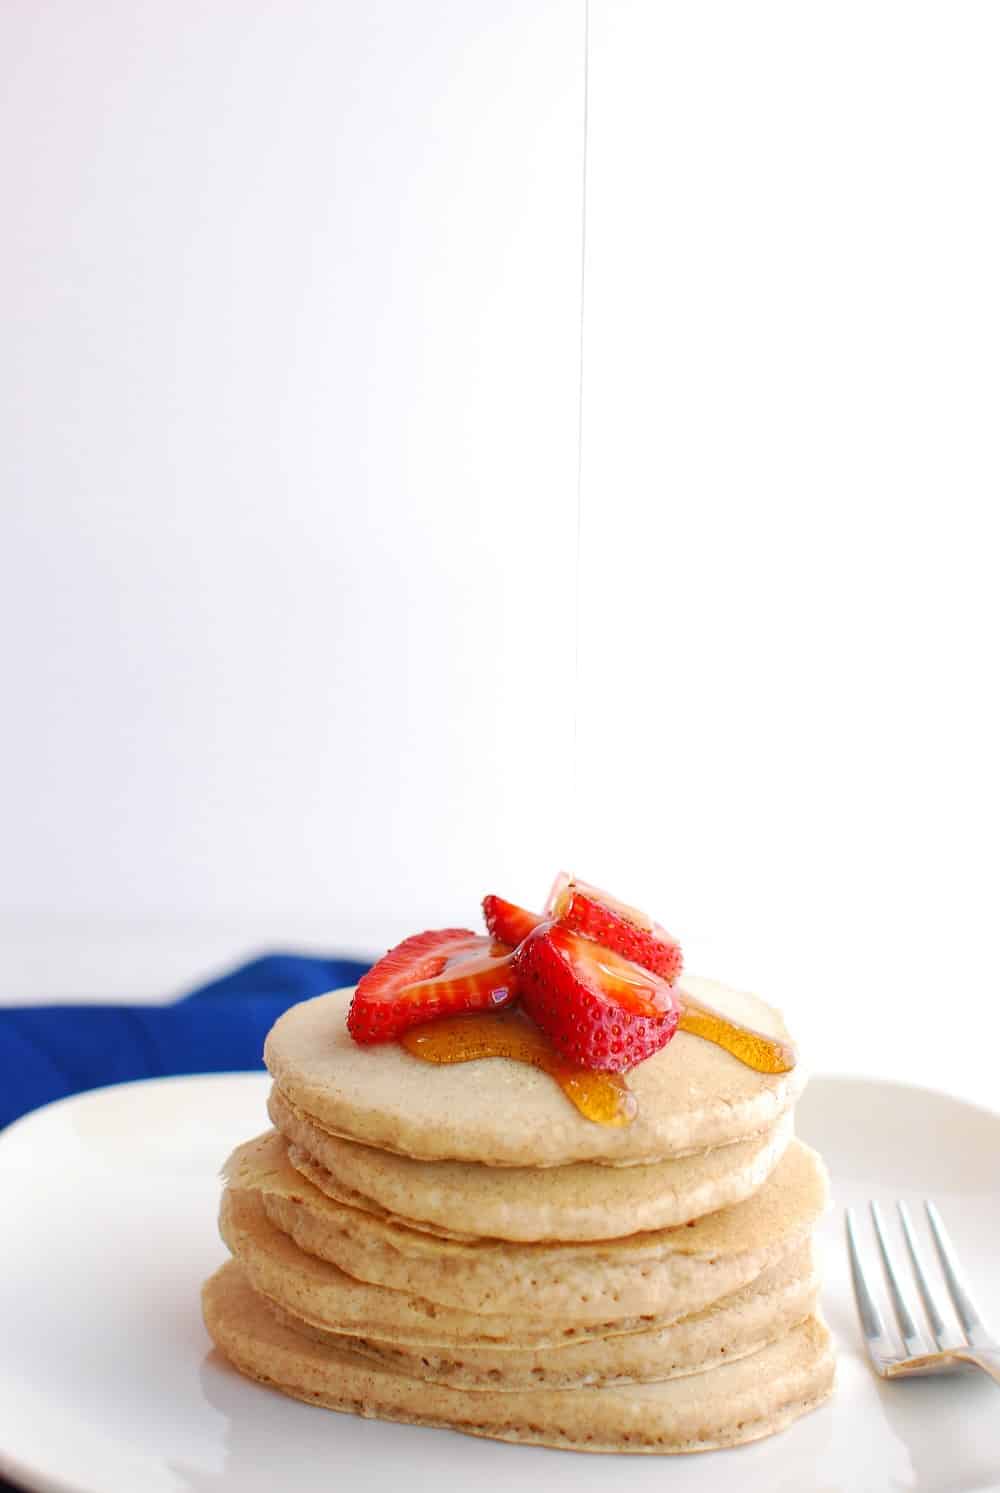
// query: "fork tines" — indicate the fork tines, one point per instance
point(919, 1353)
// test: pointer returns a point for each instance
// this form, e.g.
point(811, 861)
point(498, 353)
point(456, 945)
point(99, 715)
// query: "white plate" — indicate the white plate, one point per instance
point(108, 1384)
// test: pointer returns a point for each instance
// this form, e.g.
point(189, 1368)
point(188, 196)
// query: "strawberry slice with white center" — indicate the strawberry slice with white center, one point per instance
point(441, 973)
point(508, 922)
point(615, 925)
point(598, 1010)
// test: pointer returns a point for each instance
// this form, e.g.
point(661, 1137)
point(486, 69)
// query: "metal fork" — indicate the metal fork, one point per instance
point(919, 1357)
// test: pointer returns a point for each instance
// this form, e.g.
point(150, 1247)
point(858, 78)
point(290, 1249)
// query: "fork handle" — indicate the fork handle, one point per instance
point(986, 1359)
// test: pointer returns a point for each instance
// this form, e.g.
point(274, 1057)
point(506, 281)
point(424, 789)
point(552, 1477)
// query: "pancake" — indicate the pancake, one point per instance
point(733, 1403)
point(524, 1204)
point(691, 1095)
point(766, 1309)
point(324, 1296)
point(667, 1273)
point(300, 1245)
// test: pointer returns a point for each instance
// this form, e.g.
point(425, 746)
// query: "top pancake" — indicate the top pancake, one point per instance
point(691, 1095)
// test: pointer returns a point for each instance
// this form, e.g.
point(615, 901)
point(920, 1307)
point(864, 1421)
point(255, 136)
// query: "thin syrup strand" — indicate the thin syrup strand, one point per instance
point(575, 775)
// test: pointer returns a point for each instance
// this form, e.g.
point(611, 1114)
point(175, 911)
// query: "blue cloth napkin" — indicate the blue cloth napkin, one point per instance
point(48, 1052)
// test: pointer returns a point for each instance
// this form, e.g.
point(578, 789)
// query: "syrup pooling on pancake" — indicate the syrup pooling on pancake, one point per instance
point(603, 1097)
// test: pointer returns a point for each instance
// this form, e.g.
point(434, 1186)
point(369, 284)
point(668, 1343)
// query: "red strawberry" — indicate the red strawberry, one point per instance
point(508, 922)
point(597, 1009)
point(429, 975)
point(614, 925)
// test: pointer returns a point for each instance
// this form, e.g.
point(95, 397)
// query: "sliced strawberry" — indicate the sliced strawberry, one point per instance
point(614, 925)
point(597, 1009)
point(508, 922)
point(429, 975)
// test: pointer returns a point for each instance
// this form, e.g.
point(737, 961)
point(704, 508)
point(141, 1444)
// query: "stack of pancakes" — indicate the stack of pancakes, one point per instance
point(457, 1246)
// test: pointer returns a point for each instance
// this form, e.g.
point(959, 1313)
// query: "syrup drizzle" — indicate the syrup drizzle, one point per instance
point(604, 1098)
point(755, 1049)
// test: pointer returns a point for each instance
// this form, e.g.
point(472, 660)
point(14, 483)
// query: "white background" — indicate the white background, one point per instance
point(288, 464)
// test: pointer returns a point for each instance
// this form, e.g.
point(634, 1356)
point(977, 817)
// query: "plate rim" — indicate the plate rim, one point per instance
point(839, 1076)
point(166, 1079)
